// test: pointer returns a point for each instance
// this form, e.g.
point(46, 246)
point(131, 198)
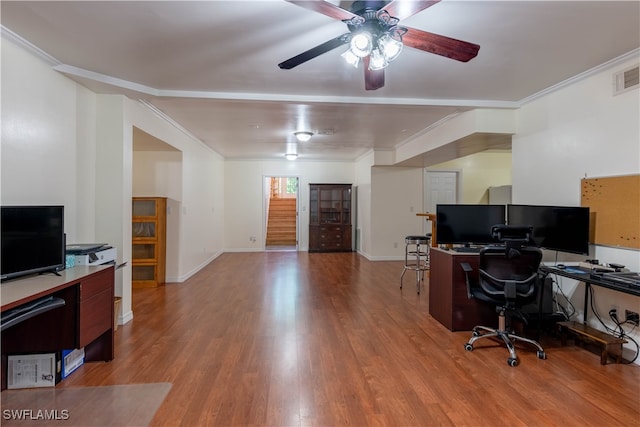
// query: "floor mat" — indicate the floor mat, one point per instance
point(119, 405)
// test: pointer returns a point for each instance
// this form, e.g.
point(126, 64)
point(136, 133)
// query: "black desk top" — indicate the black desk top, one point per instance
point(589, 276)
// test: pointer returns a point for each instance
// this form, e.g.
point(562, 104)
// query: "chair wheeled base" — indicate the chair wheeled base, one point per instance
point(507, 336)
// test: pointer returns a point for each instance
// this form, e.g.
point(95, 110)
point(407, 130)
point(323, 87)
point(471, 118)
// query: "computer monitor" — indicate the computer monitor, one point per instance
point(558, 228)
point(467, 224)
point(33, 240)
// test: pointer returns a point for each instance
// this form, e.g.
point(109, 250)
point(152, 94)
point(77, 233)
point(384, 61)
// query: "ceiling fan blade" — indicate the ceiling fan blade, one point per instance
point(372, 79)
point(325, 8)
point(440, 45)
point(404, 9)
point(313, 52)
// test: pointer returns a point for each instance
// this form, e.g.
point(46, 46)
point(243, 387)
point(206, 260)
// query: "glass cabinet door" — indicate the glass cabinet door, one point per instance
point(346, 206)
point(143, 229)
point(144, 208)
point(142, 251)
point(313, 206)
point(330, 200)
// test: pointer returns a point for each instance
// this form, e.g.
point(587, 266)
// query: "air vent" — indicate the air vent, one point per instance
point(626, 80)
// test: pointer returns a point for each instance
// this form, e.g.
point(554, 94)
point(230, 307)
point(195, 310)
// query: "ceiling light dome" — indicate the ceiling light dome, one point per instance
point(291, 156)
point(303, 136)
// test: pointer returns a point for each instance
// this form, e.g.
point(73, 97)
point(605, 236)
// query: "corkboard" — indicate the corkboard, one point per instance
point(614, 204)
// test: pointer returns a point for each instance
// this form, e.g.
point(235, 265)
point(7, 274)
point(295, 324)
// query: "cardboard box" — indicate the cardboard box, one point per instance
point(31, 370)
point(70, 361)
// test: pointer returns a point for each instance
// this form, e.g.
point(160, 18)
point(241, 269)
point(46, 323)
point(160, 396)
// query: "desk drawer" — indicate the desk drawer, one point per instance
point(95, 317)
point(330, 238)
point(96, 284)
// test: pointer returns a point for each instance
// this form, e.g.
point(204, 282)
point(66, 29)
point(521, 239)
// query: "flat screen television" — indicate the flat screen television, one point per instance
point(557, 228)
point(467, 224)
point(32, 240)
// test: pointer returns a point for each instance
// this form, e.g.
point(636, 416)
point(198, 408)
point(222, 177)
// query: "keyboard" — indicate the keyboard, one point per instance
point(468, 249)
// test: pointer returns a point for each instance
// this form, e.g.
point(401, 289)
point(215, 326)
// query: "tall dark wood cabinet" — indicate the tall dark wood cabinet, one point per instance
point(330, 218)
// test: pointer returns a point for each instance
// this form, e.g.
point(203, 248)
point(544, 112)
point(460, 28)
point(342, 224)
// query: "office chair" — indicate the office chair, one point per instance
point(507, 277)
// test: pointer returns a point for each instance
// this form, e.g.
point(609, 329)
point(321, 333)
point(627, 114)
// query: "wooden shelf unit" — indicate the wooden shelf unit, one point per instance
point(330, 218)
point(149, 241)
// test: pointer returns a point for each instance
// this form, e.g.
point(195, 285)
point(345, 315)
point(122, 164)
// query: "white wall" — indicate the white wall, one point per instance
point(581, 130)
point(396, 198)
point(157, 173)
point(243, 198)
point(43, 115)
point(478, 172)
point(362, 184)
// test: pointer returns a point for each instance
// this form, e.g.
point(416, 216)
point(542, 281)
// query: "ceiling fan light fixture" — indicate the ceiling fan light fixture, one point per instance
point(350, 58)
point(303, 136)
point(291, 156)
point(361, 44)
point(377, 61)
point(390, 46)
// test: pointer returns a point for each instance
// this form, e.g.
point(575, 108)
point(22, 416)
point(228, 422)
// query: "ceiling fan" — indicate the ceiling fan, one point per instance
point(376, 38)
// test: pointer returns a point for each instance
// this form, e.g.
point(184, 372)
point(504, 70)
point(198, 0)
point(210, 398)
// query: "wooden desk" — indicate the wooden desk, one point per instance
point(86, 319)
point(449, 303)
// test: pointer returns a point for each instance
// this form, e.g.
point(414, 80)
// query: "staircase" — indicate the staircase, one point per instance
point(281, 224)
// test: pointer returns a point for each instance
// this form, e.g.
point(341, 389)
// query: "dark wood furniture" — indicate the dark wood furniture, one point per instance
point(86, 319)
point(449, 303)
point(609, 344)
point(330, 218)
point(149, 241)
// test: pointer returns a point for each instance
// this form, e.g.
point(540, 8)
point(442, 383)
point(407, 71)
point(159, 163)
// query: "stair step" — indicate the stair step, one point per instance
point(281, 225)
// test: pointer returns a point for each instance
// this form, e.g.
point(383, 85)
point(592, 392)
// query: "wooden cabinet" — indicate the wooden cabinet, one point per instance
point(148, 251)
point(330, 218)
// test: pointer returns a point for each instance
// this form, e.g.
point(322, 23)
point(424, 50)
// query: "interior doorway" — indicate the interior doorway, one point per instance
point(281, 213)
point(440, 187)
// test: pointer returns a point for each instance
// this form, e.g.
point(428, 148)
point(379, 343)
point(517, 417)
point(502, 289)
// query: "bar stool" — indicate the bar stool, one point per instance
point(416, 257)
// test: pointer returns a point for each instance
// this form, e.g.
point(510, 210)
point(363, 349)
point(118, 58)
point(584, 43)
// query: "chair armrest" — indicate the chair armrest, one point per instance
point(466, 267)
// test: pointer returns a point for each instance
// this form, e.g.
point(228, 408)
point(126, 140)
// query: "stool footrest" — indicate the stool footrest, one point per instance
point(416, 258)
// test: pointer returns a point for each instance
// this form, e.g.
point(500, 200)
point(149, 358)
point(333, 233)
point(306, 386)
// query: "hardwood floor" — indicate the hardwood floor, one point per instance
point(329, 339)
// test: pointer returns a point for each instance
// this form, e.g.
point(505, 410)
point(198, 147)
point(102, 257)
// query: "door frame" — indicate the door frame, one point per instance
point(266, 180)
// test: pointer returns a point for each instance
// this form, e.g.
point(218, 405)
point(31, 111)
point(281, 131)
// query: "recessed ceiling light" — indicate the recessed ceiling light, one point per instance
point(303, 136)
point(291, 156)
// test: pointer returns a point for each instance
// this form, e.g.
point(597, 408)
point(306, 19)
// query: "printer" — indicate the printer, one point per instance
point(92, 253)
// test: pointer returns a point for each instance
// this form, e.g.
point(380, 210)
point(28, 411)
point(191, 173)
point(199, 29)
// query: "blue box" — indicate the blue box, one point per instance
point(70, 361)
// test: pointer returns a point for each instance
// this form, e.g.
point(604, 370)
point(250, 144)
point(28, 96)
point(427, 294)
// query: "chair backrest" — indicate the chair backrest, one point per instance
point(508, 274)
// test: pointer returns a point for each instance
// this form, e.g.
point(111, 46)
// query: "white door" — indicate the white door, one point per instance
point(440, 188)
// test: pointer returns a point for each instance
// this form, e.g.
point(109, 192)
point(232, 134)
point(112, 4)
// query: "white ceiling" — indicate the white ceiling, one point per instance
point(211, 66)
